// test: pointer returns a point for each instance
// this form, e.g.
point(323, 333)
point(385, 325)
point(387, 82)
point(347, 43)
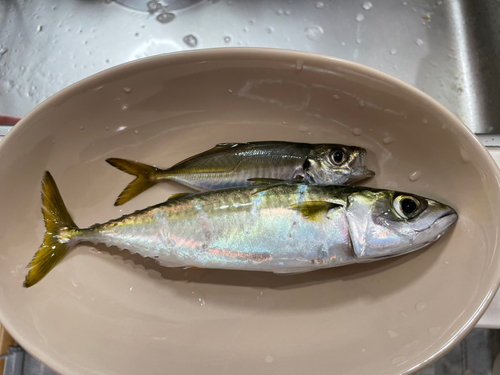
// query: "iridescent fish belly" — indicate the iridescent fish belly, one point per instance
point(255, 232)
point(239, 230)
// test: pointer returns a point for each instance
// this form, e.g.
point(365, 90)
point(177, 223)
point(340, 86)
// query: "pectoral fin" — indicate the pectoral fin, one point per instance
point(265, 181)
point(314, 210)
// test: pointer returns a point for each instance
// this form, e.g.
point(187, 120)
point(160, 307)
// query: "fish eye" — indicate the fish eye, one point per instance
point(337, 156)
point(406, 206)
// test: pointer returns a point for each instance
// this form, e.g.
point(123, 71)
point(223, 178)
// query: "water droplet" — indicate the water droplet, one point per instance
point(420, 306)
point(367, 5)
point(288, 12)
point(299, 65)
point(362, 103)
point(280, 12)
point(320, 5)
point(313, 32)
point(336, 97)
point(419, 42)
point(3, 51)
point(127, 90)
point(136, 131)
point(201, 300)
point(190, 40)
point(303, 129)
point(230, 91)
point(357, 131)
point(124, 107)
point(388, 140)
point(284, 122)
point(81, 127)
point(17, 270)
point(425, 121)
point(398, 360)
point(269, 30)
point(414, 176)
point(464, 154)
point(245, 29)
point(40, 28)
point(227, 39)
point(394, 51)
point(130, 288)
point(363, 350)
point(269, 358)
point(153, 6)
point(446, 262)
point(434, 330)
point(106, 127)
point(403, 314)
point(392, 334)
point(359, 17)
point(165, 17)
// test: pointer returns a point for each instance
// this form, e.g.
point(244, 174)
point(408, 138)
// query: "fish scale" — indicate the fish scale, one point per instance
point(281, 228)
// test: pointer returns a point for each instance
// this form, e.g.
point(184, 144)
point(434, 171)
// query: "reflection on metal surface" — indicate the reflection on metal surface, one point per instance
point(4, 129)
point(490, 140)
point(156, 5)
point(14, 361)
point(445, 48)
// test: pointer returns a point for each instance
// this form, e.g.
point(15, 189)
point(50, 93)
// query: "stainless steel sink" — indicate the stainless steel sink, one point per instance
point(447, 48)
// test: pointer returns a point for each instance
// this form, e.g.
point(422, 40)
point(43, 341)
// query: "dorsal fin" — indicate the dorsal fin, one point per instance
point(217, 148)
point(314, 210)
point(178, 196)
point(224, 145)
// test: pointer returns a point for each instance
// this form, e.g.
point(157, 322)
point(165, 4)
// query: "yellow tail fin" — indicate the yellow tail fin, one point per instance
point(146, 178)
point(60, 228)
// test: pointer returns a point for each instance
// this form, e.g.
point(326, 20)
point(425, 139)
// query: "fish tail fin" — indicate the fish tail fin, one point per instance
point(146, 178)
point(60, 230)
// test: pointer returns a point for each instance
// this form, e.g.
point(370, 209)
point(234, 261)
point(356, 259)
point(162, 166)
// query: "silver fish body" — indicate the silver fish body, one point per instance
point(234, 229)
point(239, 164)
point(235, 164)
point(284, 228)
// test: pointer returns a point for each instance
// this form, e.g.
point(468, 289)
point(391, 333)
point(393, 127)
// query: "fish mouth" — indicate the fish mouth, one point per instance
point(361, 173)
point(447, 219)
